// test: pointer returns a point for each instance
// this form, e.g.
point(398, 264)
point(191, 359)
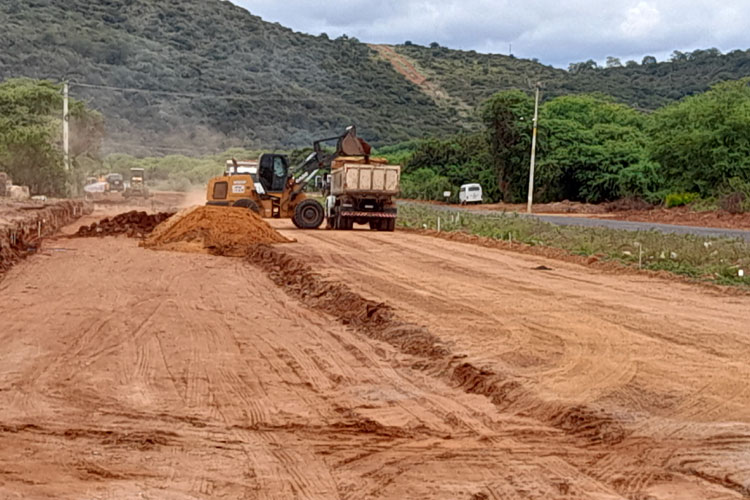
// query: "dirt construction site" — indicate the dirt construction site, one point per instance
point(355, 365)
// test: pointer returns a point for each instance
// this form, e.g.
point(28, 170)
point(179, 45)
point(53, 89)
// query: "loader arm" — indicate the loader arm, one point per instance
point(347, 144)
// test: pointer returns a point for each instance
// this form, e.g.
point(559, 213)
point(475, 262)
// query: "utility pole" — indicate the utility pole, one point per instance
point(66, 130)
point(533, 150)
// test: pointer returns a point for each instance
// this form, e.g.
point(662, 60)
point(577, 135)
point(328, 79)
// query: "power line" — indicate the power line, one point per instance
point(192, 95)
point(166, 148)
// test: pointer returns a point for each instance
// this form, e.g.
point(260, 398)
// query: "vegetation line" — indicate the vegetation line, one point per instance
point(713, 260)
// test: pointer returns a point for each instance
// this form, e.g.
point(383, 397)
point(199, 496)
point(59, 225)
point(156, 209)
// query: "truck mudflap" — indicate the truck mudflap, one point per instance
point(377, 215)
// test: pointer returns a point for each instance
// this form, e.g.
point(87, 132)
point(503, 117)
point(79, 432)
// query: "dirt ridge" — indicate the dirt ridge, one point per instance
point(29, 223)
point(134, 224)
point(379, 321)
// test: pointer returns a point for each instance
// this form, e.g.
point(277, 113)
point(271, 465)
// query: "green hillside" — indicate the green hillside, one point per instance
point(473, 77)
point(288, 87)
point(219, 77)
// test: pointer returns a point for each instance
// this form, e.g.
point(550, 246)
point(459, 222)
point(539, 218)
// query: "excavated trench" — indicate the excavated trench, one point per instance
point(379, 321)
point(26, 224)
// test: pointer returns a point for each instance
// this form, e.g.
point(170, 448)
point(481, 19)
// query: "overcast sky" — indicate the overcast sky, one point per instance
point(556, 32)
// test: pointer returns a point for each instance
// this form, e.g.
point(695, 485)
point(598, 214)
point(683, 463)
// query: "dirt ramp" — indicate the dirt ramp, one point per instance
point(214, 230)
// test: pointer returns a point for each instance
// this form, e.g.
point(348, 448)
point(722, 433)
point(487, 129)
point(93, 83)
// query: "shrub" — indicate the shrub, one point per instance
point(680, 199)
point(425, 184)
point(735, 196)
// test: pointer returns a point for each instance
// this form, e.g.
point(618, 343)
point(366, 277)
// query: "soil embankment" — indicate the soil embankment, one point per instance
point(24, 224)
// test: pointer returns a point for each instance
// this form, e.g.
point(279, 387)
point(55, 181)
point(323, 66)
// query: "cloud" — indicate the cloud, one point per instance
point(553, 31)
point(641, 20)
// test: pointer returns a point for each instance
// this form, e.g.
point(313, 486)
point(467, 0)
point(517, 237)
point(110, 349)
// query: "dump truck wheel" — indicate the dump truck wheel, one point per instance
point(247, 203)
point(388, 225)
point(345, 223)
point(308, 215)
point(375, 225)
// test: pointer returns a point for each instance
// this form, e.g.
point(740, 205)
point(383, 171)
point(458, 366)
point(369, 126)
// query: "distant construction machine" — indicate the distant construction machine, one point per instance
point(137, 187)
point(361, 188)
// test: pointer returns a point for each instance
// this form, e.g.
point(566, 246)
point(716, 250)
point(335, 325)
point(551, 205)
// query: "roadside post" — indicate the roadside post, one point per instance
point(533, 150)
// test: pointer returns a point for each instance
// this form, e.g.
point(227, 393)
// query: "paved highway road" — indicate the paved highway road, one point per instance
point(563, 220)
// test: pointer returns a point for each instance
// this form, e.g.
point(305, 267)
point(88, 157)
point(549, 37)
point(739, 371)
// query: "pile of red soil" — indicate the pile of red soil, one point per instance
point(133, 224)
point(213, 230)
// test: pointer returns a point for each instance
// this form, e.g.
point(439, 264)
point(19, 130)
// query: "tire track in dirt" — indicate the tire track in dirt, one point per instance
point(376, 422)
point(344, 250)
point(377, 320)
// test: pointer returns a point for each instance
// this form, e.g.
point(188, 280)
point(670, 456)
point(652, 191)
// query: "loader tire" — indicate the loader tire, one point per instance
point(308, 214)
point(247, 203)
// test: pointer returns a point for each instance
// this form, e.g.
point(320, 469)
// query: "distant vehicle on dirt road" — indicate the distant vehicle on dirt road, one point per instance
point(470, 193)
point(116, 182)
point(137, 186)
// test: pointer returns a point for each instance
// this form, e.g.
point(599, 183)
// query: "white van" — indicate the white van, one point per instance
point(470, 193)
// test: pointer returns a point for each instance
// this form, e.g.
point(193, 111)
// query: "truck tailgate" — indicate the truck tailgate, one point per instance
point(355, 178)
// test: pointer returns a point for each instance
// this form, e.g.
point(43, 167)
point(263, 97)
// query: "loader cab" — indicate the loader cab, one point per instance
point(273, 172)
point(242, 167)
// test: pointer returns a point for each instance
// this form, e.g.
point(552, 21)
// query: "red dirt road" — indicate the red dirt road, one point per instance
point(128, 373)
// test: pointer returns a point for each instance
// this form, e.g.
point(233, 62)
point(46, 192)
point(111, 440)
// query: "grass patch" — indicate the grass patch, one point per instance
point(706, 259)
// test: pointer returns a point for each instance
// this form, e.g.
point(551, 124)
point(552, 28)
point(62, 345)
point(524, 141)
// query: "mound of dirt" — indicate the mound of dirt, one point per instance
point(134, 224)
point(215, 230)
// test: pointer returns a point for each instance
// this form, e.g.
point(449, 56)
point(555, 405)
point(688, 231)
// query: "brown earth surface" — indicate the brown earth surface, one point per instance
point(357, 364)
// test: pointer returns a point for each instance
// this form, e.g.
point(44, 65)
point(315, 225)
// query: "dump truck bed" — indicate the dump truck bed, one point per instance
point(362, 179)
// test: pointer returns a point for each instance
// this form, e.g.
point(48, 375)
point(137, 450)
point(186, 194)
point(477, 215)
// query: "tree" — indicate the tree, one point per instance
point(425, 184)
point(460, 159)
point(648, 60)
point(579, 67)
point(508, 120)
point(704, 140)
point(631, 64)
point(593, 149)
point(613, 62)
point(30, 129)
point(678, 56)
